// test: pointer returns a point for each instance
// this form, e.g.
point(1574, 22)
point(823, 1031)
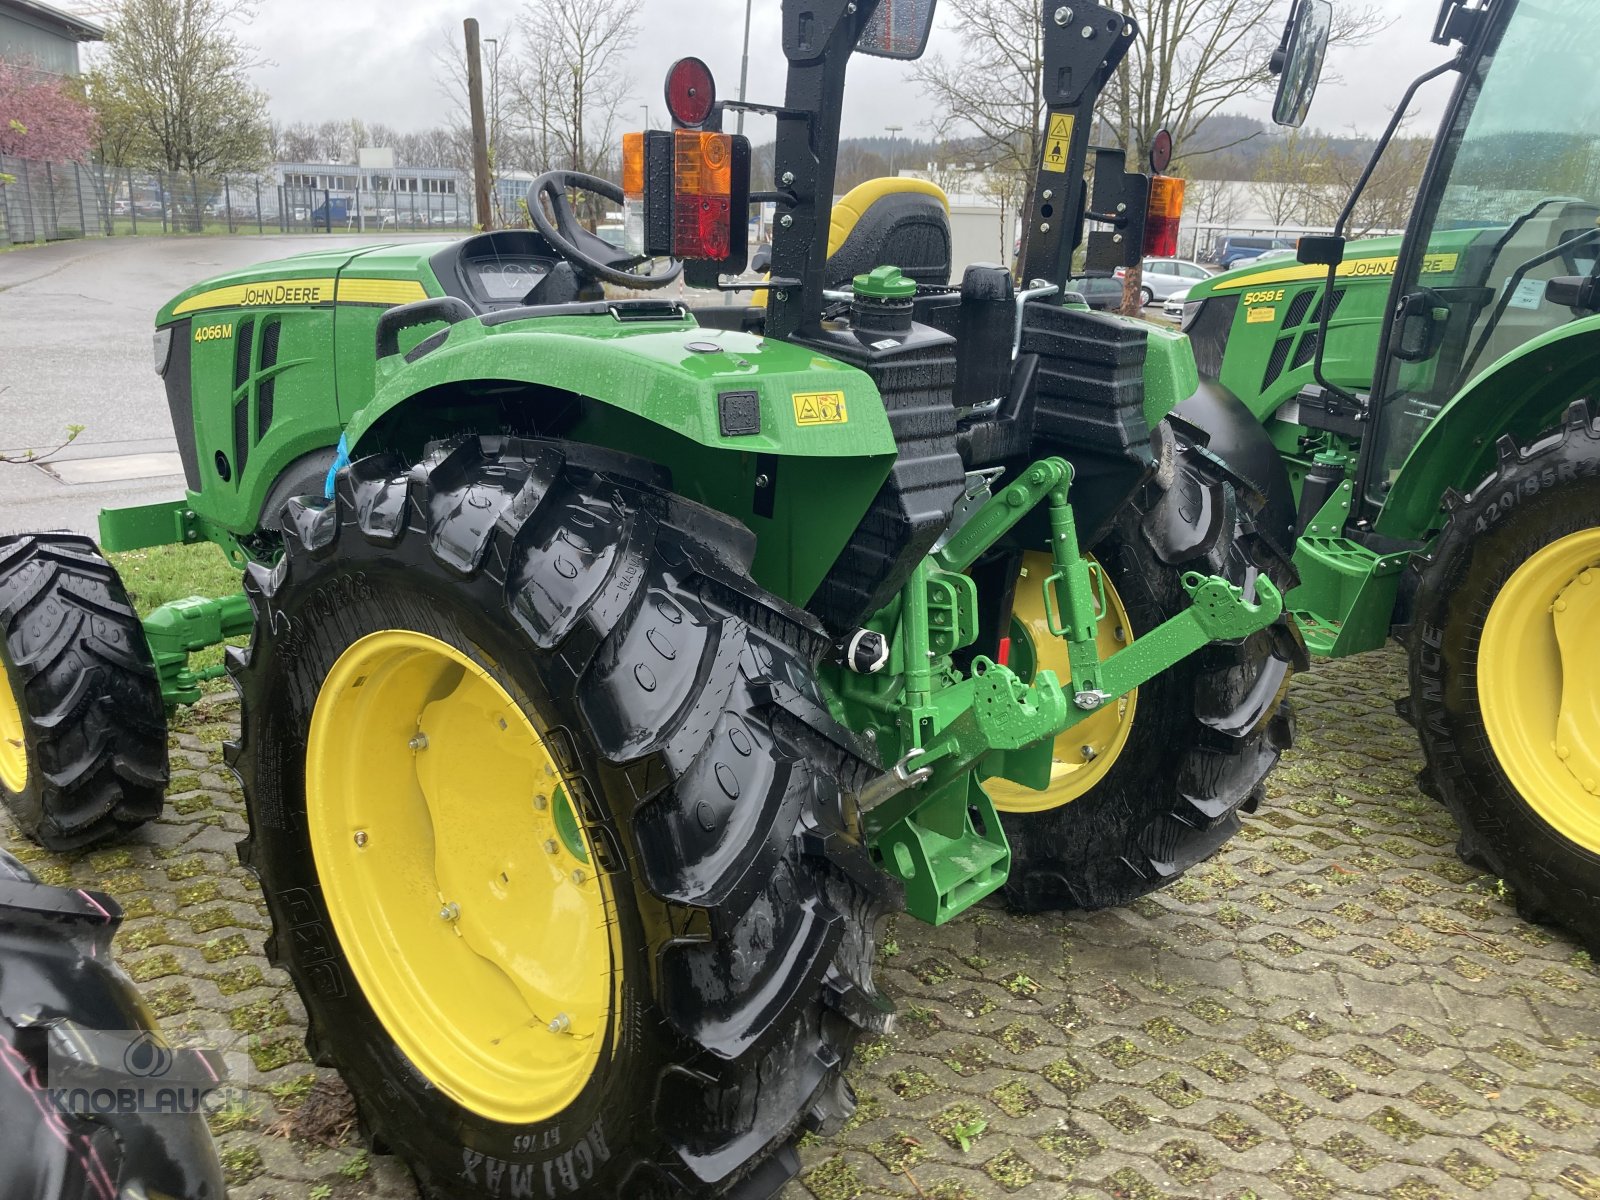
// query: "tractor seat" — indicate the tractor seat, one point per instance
point(893, 221)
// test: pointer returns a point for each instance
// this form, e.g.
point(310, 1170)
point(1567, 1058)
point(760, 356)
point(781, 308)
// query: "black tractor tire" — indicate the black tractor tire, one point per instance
point(746, 930)
point(59, 980)
point(1205, 733)
point(1536, 495)
point(94, 730)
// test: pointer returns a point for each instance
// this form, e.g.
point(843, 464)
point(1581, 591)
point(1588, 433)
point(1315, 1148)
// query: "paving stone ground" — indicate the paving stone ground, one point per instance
point(1334, 1006)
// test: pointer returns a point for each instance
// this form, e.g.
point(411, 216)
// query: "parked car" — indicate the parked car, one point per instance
point(1172, 306)
point(1232, 250)
point(1163, 276)
point(1101, 292)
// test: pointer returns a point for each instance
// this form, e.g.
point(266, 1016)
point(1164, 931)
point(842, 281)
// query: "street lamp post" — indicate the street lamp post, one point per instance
point(891, 130)
point(744, 65)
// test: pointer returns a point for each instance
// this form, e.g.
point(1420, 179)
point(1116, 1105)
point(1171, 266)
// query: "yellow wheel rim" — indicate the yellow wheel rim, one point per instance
point(1085, 753)
point(1538, 687)
point(13, 739)
point(460, 886)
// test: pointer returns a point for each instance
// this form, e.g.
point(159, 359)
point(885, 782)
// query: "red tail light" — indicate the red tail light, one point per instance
point(702, 208)
point(1164, 215)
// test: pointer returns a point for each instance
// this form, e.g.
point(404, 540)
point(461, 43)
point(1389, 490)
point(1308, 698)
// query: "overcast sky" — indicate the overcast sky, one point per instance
point(373, 59)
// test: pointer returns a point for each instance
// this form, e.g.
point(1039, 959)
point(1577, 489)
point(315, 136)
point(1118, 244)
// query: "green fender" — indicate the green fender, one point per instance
point(1522, 394)
point(788, 441)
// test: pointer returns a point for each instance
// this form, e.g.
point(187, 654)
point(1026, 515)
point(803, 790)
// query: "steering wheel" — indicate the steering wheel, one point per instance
point(573, 242)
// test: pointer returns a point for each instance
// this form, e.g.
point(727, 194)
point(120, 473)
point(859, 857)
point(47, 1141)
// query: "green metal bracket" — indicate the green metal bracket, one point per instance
point(952, 612)
point(166, 523)
point(176, 630)
point(928, 819)
point(951, 854)
point(997, 515)
point(1345, 600)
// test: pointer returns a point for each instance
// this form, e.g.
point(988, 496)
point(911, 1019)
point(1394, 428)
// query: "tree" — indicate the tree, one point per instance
point(42, 117)
point(118, 140)
point(989, 99)
point(298, 143)
point(1209, 204)
point(181, 68)
point(1288, 176)
point(569, 84)
point(1386, 202)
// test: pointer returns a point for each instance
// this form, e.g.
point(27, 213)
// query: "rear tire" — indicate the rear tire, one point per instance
point(622, 623)
point(1146, 297)
point(84, 753)
point(1204, 734)
point(1542, 834)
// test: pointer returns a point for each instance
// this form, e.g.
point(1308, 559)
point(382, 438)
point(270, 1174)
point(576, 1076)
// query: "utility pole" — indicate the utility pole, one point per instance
point(891, 130)
point(494, 115)
point(480, 136)
point(744, 65)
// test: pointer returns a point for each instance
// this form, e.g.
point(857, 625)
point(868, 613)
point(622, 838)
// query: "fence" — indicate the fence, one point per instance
point(42, 202)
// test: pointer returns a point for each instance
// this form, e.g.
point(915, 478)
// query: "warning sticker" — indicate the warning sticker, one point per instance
point(1058, 142)
point(819, 408)
point(1261, 316)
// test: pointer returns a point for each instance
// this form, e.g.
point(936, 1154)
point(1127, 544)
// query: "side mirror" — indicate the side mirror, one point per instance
point(1581, 293)
point(1320, 249)
point(1298, 60)
point(1419, 326)
point(897, 29)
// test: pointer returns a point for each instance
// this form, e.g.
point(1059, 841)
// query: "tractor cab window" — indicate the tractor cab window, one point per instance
point(1515, 204)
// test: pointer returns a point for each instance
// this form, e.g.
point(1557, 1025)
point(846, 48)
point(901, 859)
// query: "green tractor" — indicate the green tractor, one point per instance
point(1433, 399)
point(614, 665)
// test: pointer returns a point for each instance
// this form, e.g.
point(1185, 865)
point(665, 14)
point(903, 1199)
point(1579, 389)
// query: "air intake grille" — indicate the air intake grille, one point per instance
point(1275, 364)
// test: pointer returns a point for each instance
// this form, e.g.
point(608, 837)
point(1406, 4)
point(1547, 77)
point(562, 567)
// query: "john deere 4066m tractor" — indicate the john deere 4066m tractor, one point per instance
point(1434, 399)
point(615, 664)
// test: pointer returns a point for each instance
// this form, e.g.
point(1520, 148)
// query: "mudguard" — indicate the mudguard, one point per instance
point(1239, 440)
point(785, 439)
point(1522, 395)
point(65, 1003)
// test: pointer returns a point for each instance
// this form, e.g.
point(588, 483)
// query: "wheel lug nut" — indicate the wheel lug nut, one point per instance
point(1089, 753)
point(361, 837)
point(450, 912)
point(577, 876)
point(550, 846)
point(419, 741)
point(540, 803)
point(560, 1023)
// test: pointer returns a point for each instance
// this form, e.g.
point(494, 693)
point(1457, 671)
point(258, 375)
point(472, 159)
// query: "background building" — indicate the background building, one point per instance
point(44, 37)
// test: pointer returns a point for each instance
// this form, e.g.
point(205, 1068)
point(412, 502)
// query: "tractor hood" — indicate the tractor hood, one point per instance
point(718, 388)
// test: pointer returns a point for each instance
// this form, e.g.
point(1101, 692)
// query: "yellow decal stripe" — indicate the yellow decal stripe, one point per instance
point(380, 291)
point(292, 292)
point(256, 295)
point(1351, 268)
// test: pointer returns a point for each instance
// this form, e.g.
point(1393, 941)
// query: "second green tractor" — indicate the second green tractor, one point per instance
point(1432, 406)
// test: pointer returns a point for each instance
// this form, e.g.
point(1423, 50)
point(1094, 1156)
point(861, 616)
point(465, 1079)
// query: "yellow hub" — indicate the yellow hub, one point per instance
point(463, 896)
point(13, 744)
point(1085, 753)
point(1538, 687)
